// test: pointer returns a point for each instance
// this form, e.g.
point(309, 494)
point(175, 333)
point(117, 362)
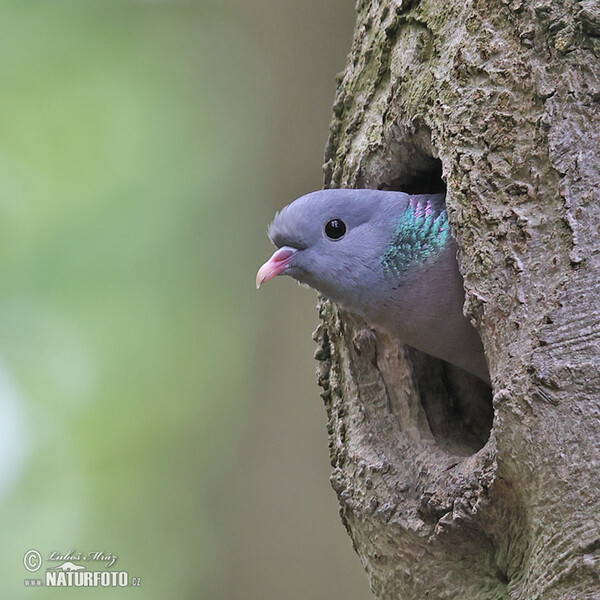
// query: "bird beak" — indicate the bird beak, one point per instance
point(276, 265)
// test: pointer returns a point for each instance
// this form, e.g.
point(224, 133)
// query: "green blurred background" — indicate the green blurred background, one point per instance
point(153, 405)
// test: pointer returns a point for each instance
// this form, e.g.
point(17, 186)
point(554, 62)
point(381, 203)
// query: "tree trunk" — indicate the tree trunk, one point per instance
point(498, 101)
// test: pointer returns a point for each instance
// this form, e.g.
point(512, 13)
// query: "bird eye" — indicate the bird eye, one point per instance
point(335, 229)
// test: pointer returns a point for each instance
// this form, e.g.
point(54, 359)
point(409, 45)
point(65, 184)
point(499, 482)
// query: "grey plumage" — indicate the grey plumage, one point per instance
point(394, 265)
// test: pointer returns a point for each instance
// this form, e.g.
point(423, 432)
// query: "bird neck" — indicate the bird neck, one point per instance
point(422, 232)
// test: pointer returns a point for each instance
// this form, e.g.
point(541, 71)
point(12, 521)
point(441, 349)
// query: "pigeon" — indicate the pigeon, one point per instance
point(386, 256)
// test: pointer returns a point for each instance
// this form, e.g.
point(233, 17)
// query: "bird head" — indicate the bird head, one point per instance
point(333, 241)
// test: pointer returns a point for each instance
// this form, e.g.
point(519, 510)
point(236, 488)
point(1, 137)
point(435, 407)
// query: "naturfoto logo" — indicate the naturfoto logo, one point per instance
point(71, 573)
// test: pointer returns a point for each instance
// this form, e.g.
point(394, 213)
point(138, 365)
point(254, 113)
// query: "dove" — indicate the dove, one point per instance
point(386, 256)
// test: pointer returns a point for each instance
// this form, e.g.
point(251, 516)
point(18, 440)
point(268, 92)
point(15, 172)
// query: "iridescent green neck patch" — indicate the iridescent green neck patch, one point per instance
point(421, 233)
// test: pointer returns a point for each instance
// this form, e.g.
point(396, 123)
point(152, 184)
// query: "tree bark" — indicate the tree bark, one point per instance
point(498, 101)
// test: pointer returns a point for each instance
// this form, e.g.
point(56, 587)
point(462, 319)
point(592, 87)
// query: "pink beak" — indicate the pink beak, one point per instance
point(276, 265)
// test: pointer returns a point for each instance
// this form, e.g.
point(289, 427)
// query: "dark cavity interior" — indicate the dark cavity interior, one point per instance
point(458, 405)
point(422, 175)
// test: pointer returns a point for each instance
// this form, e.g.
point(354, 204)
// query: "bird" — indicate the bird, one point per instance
point(386, 256)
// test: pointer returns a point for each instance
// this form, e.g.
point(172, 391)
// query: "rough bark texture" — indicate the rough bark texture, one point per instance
point(499, 100)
